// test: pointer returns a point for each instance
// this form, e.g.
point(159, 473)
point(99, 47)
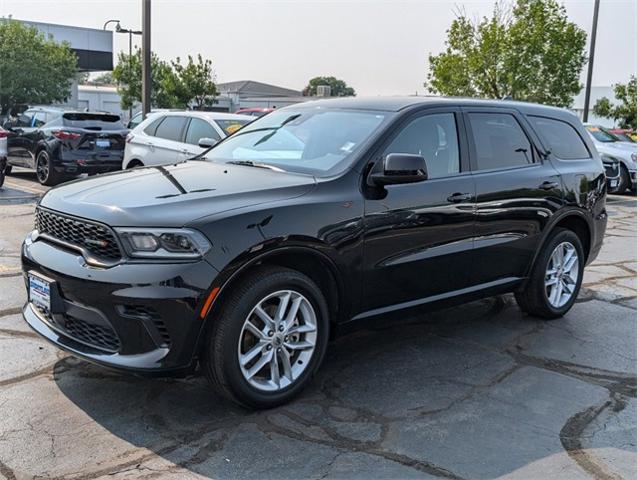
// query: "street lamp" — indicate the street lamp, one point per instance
point(119, 29)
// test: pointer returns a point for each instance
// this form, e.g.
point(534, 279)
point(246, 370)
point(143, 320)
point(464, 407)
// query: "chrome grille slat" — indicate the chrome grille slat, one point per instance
point(97, 239)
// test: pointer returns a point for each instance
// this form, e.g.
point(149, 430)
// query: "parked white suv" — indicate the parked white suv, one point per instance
point(169, 137)
point(626, 152)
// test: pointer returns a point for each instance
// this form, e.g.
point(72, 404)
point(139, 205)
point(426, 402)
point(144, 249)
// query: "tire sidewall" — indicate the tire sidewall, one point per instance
point(43, 153)
point(561, 237)
point(236, 318)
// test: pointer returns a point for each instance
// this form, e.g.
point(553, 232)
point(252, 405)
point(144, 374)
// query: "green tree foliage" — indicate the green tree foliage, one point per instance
point(625, 112)
point(529, 52)
point(173, 85)
point(195, 82)
point(339, 87)
point(105, 78)
point(33, 68)
point(128, 75)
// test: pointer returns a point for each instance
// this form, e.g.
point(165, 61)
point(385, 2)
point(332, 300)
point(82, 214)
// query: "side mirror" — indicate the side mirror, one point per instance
point(207, 142)
point(399, 168)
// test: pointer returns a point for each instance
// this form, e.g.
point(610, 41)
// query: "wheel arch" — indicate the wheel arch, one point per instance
point(308, 260)
point(573, 220)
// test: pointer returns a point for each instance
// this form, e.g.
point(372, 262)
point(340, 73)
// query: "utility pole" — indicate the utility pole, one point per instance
point(591, 58)
point(146, 83)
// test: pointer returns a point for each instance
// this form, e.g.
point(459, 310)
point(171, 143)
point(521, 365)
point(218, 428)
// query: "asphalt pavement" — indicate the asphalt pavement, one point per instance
point(478, 391)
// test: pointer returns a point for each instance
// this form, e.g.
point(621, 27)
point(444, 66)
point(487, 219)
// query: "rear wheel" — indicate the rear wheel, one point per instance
point(556, 277)
point(134, 164)
point(44, 170)
point(269, 338)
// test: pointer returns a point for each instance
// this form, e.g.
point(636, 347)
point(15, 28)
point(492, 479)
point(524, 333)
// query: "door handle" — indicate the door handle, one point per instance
point(459, 197)
point(549, 185)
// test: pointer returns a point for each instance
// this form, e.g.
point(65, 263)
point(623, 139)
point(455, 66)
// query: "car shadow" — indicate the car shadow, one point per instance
point(455, 393)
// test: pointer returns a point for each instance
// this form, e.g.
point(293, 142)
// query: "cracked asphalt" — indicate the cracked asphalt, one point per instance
point(478, 391)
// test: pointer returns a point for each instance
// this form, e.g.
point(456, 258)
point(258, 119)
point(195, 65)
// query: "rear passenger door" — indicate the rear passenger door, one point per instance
point(167, 143)
point(517, 192)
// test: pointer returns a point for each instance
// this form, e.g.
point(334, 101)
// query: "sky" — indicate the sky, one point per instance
point(380, 47)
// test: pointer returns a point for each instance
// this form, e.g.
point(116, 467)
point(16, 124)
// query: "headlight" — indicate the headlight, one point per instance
point(633, 156)
point(163, 243)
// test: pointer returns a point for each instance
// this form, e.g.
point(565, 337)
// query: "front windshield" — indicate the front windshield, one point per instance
point(316, 140)
point(600, 135)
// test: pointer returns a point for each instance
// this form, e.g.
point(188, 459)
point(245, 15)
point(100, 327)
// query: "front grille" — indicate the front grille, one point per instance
point(95, 238)
point(612, 169)
point(98, 336)
point(141, 312)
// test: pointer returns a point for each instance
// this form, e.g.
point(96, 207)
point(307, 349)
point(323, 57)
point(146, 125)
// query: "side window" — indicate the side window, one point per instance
point(25, 119)
point(39, 119)
point(499, 141)
point(171, 128)
point(435, 137)
point(561, 138)
point(152, 127)
point(199, 129)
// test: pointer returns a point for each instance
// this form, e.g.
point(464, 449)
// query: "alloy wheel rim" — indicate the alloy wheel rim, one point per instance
point(562, 273)
point(42, 167)
point(277, 340)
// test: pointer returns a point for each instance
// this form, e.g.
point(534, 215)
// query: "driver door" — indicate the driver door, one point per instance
point(419, 237)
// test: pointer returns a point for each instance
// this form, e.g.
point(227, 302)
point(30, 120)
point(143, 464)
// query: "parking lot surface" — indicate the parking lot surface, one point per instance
point(477, 391)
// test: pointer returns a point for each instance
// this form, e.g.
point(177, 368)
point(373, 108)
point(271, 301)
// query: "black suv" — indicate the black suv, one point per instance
point(61, 144)
point(310, 221)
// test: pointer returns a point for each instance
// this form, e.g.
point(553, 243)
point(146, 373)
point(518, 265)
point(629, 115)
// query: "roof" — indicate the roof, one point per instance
point(253, 88)
point(207, 115)
point(395, 104)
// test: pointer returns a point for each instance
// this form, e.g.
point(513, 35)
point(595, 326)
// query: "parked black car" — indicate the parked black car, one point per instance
point(61, 144)
point(308, 222)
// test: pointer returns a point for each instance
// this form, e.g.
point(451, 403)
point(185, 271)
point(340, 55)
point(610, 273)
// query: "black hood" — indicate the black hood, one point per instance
point(173, 195)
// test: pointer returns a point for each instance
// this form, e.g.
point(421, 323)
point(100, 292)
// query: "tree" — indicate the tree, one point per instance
point(105, 78)
point(529, 52)
point(625, 112)
point(33, 67)
point(128, 75)
point(173, 85)
point(338, 87)
point(195, 82)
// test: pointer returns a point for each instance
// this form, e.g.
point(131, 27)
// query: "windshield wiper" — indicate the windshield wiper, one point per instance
point(250, 163)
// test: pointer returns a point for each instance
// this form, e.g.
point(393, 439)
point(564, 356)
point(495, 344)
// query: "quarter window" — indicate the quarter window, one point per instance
point(435, 137)
point(171, 128)
point(199, 129)
point(499, 141)
point(561, 138)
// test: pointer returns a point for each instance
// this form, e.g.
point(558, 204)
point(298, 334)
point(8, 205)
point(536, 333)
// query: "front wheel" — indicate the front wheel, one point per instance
point(624, 180)
point(269, 338)
point(556, 277)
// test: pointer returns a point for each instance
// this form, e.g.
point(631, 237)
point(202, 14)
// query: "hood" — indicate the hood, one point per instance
point(173, 195)
point(616, 149)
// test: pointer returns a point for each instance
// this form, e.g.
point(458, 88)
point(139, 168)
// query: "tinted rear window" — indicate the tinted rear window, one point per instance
point(561, 138)
point(93, 121)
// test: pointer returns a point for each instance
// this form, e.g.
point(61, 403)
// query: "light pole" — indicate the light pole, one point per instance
point(119, 29)
point(146, 80)
point(591, 58)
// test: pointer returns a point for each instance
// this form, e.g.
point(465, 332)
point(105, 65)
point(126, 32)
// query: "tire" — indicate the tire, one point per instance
point(536, 299)
point(229, 338)
point(44, 171)
point(134, 164)
point(624, 180)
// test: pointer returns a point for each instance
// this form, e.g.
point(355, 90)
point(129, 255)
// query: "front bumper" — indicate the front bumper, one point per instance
point(141, 318)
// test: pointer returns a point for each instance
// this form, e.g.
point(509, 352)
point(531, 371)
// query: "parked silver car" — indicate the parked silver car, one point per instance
point(170, 137)
point(626, 152)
